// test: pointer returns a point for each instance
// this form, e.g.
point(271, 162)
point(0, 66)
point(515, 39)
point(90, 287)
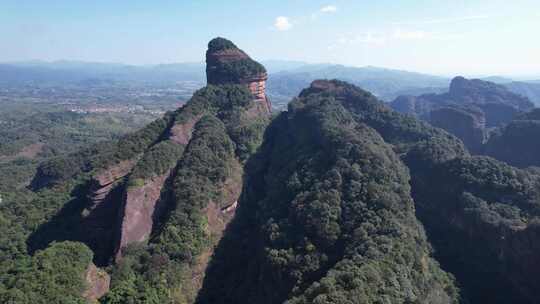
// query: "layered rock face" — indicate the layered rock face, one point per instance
point(227, 64)
point(106, 180)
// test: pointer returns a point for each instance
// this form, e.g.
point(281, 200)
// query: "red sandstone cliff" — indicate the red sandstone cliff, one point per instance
point(227, 64)
point(137, 218)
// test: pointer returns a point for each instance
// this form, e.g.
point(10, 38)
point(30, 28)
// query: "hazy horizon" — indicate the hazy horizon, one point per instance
point(471, 38)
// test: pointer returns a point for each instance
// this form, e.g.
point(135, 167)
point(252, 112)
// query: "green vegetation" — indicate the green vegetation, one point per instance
point(205, 167)
point(220, 44)
point(50, 201)
point(325, 217)
point(213, 99)
point(229, 103)
point(236, 71)
point(54, 275)
point(102, 155)
point(52, 211)
point(515, 143)
point(163, 270)
point(229, 69)
point(487, 207)
point(44, 131)
point(157, 160)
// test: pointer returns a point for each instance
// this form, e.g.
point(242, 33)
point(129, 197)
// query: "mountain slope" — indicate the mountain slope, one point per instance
point(290, 241)
point(326, 217)
point(489, 208)
point(152, 204)
point(386, 83)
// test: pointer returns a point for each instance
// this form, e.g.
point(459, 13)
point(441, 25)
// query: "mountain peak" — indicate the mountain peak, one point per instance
point(227, 64)
point(220, 44)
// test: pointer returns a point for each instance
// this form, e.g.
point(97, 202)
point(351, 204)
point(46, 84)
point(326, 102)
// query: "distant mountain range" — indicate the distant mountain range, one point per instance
point(286, 78)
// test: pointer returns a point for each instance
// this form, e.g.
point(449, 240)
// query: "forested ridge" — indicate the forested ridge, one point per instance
point(339, 199)
point(183, 172)
point(325, 217)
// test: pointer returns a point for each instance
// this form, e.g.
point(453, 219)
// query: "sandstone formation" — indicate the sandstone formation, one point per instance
point(98, 220)
point(106, 180)
point(469, 110)
point(227, 64)
point(97, 282)
point(139, 212)
point(181, 133)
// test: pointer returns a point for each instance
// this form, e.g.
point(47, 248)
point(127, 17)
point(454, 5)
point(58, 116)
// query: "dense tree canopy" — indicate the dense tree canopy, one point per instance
point(325, 217)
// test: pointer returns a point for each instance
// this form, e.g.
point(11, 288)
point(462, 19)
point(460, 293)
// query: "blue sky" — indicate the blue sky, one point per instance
point(448, 37)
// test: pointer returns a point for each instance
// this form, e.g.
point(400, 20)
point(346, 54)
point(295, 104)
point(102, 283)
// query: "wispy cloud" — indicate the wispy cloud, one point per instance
point(328, 9)
point(384, 37)
point(450, 20)
point(282, 23)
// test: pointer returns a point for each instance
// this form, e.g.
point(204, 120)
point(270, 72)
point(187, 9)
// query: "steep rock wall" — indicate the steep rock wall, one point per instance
point(138, 212)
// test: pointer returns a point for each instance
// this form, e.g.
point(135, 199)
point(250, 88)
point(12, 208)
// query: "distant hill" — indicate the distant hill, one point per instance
point(63, 72)
point(384, 83)
point(286, 78)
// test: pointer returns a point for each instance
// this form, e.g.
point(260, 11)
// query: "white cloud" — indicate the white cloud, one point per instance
point(328, 9)
point(282, 23)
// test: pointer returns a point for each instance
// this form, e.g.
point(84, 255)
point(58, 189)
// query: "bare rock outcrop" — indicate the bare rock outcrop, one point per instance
point(97, 282)
point(98, 227)
point(181, 133)
point(104, 182)
point(139, 212)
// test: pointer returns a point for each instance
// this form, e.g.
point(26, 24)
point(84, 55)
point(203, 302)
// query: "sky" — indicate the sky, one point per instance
point(445, 37)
